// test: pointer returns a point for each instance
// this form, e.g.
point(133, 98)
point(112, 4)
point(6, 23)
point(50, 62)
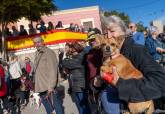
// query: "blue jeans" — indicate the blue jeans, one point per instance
point(53, 103)
point(110, 101)
point(81, 100)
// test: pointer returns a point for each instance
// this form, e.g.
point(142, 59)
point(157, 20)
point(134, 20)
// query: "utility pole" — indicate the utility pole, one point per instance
point(4, 57)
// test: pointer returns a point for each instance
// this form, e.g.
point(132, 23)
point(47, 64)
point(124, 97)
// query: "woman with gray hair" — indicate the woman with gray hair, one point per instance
point(151, 86)
point(111, 20)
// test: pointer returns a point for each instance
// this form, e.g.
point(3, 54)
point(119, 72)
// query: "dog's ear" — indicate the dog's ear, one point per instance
point(120, 39)
point(100, 39)
point(113, 41)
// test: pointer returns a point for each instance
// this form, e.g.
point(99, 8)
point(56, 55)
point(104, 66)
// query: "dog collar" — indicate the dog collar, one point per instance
point(115, 56)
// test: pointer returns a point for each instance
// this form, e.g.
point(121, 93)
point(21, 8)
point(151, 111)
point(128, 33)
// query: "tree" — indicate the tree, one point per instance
point(37, 8)
point(140, 26)
point(13, 10)
point(122, 15)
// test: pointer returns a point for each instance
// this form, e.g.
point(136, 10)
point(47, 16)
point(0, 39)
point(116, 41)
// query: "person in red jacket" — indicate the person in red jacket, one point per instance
point(3, 88)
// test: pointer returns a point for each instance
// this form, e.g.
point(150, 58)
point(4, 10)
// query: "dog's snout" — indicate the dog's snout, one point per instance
point(107, 48)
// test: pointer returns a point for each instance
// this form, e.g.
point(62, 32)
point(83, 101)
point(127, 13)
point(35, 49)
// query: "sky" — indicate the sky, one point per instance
point(138, 10)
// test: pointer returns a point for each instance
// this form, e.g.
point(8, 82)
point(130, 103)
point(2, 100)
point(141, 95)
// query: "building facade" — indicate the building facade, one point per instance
point(88, 17)
point(158, 24)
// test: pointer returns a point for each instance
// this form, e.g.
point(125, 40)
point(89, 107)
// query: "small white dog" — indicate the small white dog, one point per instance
point(35, 99)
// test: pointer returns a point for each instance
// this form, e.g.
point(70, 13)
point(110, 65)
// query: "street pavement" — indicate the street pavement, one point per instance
point(69, 106)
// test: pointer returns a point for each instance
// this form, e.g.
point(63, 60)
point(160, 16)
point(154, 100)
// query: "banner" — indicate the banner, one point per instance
point(50, 38)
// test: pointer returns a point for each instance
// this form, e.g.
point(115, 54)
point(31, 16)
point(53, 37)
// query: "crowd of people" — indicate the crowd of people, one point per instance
point(40, 28)
point(115, 96)
point(93, 91)
point(16, 83)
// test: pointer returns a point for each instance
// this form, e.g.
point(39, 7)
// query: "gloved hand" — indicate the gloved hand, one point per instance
point(111, 78)
point(108, 77)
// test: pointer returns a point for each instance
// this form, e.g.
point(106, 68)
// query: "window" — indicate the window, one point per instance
point(87, 23)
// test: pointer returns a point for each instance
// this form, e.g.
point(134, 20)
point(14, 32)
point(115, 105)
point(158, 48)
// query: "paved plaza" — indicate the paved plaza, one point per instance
point(69, 106)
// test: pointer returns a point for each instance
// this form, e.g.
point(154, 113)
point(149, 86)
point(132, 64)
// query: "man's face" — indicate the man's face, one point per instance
point(132, 27)
point(27, 60)
point(38, 44)
point(155, 34)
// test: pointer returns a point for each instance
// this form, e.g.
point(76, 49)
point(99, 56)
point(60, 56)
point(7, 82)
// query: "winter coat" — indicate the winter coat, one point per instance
point(3, 89)
point(46, 66)
point(151, 45)
point(77, 71)
point(151, 86)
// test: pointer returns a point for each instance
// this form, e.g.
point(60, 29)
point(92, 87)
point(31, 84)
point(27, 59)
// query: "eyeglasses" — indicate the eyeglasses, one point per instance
point(92, 40)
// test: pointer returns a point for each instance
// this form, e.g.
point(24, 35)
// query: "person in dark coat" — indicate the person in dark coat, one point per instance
point(151, 86)
point(22, 31)
point(77, 77)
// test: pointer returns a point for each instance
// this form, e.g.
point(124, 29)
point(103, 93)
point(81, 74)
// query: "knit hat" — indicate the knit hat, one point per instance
point(38, 39)
point(76, 46)
point(92, 32)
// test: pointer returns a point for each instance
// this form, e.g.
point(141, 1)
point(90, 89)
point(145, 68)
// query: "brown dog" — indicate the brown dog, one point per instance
point(124, 66)
point(125, 69)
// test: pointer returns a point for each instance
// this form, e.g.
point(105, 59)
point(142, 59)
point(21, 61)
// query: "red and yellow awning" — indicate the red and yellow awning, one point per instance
point(50, 38)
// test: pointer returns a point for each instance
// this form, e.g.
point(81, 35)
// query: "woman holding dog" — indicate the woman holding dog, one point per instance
point(151, 85)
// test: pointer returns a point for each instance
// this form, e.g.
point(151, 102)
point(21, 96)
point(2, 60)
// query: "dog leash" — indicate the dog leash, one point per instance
point(50, 101)
point(37, 55)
